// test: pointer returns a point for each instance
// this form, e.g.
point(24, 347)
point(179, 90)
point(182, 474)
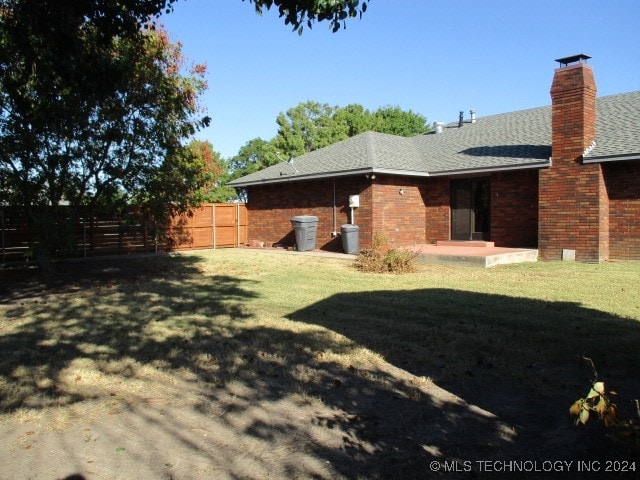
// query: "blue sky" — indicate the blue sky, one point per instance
point(433, 57)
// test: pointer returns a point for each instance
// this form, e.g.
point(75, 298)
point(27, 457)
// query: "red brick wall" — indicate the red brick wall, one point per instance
point(422, 213)
point(400, 217)
point(514, 209)
point(272, 206)
point(622, 181)
point(572, 203)
point(603, 218)
point(438, 209)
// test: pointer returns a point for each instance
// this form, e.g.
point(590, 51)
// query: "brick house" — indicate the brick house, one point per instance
point(556, 178)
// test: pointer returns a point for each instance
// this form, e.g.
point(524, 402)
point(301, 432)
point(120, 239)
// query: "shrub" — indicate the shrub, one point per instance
point(382, 259)
point(598, 401)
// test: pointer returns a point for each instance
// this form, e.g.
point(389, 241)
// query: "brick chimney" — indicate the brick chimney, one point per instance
point(573, 202)
point(573, 102)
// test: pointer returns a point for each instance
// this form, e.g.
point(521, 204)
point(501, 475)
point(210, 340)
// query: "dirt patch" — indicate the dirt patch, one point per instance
point(237, 432)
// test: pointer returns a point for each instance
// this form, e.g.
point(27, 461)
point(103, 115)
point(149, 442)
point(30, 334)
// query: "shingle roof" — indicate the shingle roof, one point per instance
point(617, 128)
point(507, 141)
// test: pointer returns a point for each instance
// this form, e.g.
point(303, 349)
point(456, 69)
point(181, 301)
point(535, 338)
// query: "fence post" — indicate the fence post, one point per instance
point(91, 227)
point(84, 237)
point(213, 215)
point(237, 225)
point(144, 234)
point(3, 248)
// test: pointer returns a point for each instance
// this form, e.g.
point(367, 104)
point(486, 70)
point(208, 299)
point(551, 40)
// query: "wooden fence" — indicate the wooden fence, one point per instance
point(212, 225)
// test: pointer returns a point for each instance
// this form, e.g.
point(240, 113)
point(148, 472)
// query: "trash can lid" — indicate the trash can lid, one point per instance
point(349, 227)
point(304, 218)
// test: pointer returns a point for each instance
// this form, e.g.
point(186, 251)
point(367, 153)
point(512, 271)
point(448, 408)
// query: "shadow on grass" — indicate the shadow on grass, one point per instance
point(521, 359)
point(179, 356)
point(103, 310)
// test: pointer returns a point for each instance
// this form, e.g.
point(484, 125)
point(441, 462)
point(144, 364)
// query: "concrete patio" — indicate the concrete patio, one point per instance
point(471, 253)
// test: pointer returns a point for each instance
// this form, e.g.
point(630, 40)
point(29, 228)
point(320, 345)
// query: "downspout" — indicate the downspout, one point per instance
point(335, 227)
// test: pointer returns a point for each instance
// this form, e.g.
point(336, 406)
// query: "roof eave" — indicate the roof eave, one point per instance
point(296, 178)
point(615, 158)
point(390, 171)
point(503, 168)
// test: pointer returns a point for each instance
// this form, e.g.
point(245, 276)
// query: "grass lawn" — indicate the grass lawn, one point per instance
point(254, 364)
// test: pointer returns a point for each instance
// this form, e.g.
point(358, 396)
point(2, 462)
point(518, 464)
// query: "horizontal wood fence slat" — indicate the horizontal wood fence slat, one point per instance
point(212, 225)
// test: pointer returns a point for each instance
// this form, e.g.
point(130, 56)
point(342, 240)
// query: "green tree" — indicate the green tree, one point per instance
point(354, 119)
point(62, 144)
point(220, 193)
point(307, 127)
point(201, 156)
point(396, 121)
point(81, 80)
point(255, 155)
point(311, 125)
point(299, 13)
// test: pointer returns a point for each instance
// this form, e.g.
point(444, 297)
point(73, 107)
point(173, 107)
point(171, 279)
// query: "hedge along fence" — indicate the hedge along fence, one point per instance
point(212, 225)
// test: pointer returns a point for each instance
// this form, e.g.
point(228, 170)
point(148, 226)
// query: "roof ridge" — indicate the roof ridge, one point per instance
point(542, 107)
point(504, 141)
point(371, 148)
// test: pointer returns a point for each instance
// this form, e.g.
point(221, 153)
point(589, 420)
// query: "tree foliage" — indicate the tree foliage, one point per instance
point(201, 156)
point(354, 119)
point(307, 127)
point(70, 136)
point(312, 125)
point(396, 121)
point(301, 13)
point(93, 109)
point(598, 403)
point(255, 155)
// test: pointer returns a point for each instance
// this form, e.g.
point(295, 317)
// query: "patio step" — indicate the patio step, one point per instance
point(486, 260)
point(465, 243)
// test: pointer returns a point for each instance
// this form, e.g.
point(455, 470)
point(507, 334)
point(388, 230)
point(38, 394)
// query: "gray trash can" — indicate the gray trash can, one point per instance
point(305, 227)
point(350, 238)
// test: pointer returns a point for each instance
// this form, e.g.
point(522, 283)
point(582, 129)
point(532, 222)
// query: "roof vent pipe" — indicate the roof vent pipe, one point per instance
point(473, 115)
point(461, 119)
point(438, 127)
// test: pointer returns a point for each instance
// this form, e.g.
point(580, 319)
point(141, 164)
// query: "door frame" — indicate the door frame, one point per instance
point(472, 219)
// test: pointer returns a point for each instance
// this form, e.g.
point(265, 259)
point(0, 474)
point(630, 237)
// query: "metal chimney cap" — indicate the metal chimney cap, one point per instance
point(581, 57)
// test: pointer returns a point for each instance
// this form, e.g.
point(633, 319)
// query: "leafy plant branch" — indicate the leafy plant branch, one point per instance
point(598, 402)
